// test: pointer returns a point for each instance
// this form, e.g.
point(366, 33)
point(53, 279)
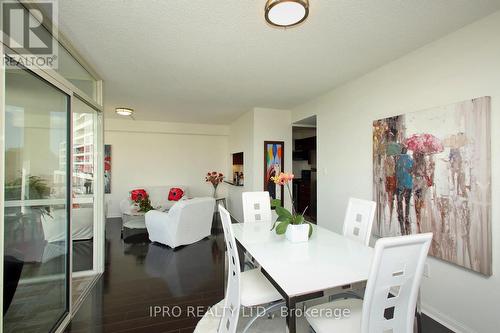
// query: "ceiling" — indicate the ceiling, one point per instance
point(208, 61)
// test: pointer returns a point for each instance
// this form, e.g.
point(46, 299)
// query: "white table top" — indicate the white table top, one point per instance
point(328, 260)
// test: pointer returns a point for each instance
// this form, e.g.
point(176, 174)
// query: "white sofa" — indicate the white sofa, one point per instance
point(158, 196)
point(187, 222)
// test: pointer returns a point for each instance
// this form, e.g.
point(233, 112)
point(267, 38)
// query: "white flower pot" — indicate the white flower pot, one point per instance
point(297, 233)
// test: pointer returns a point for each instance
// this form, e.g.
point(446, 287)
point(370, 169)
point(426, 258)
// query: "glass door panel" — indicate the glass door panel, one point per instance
point(84, 169)
point(36, 237)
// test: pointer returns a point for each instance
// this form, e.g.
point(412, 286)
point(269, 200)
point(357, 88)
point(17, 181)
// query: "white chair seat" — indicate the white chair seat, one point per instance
point(328, 317)
point(256, 289)
point(210, 321)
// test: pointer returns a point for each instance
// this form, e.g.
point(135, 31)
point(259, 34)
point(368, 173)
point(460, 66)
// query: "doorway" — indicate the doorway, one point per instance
point(304, 138)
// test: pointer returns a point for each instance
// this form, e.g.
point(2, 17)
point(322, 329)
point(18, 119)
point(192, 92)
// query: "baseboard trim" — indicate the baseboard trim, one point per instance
point(445, 320)
point(75, 307)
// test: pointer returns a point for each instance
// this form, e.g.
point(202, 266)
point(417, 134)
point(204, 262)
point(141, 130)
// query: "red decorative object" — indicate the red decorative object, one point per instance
point(175, 194)
point(215, 178)
point(424, 144)
point(138, 194)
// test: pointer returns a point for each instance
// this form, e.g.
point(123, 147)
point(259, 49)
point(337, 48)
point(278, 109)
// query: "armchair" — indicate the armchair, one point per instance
point(187, 222)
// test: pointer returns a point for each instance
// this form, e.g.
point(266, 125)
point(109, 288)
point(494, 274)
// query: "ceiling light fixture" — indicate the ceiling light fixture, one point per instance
point(124, 111)
point(286, 13)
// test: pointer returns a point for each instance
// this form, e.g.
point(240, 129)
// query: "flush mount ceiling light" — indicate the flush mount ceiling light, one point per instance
point(124, 111)
point(286, 13)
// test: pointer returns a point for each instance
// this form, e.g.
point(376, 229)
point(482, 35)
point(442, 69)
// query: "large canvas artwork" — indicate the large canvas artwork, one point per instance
point(274, 152)
point(107, 168)
point(432, 173)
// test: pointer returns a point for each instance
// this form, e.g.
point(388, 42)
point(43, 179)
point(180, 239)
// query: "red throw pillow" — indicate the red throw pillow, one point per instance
point(139, 193)
point(175, 194)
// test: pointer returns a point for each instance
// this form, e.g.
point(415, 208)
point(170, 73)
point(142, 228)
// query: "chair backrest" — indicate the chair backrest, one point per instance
point(358, 220)
point(256, 206)
point(231, 312)
point(392, 289)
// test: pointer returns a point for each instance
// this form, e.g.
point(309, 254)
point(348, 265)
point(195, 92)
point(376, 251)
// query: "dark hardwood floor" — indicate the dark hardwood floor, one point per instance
point(141, 276)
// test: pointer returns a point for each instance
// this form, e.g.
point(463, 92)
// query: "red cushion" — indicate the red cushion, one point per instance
point(138, 193)
point(175, 194)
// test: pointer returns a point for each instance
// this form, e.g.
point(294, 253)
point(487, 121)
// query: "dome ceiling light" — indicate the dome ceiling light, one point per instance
point(126, 112)
point(286, 13)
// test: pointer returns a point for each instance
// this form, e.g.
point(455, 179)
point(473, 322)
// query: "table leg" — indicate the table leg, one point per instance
point(241, 255)
point(291, 315)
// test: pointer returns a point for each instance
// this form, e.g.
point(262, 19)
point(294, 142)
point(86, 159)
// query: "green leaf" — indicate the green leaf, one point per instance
point(299, 219)
point(275, 203)
point(283, 212)
point(274, 225)
point(283, 218)
point(281, 228)
point(280, 219)
point(310, 229)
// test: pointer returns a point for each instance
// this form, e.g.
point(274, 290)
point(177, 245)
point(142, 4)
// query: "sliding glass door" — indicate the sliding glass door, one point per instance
point(84, 184)
point(37, 203)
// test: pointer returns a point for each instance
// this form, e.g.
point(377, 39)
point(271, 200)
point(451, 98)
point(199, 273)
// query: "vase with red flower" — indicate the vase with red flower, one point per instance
point(215, 178)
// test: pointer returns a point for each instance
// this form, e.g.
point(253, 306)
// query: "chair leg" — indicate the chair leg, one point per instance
point(267, 310)
point(349, 294)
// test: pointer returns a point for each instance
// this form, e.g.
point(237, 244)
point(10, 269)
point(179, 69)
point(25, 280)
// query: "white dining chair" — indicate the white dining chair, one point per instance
point(249, 289)
point(391, 293)
point(358, 220)
point(256, 206)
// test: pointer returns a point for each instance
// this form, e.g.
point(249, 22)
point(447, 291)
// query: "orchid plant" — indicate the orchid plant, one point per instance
point(285, 217)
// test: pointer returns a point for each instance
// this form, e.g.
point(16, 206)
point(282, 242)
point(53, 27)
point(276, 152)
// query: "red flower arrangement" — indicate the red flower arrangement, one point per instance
point(215, 178)
point(137, 194)
point(141, 198)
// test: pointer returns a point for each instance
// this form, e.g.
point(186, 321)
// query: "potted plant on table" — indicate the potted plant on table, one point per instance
point(292, 224)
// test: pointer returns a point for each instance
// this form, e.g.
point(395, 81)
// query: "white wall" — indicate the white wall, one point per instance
point(247, 134)
point(240, 140)
point(159, 153)
point(463, 65)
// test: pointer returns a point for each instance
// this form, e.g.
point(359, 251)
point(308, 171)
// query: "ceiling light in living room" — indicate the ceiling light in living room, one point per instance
point(286, 13)
point(124, 111)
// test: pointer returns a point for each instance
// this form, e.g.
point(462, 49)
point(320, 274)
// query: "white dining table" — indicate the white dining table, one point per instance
point(303, 271)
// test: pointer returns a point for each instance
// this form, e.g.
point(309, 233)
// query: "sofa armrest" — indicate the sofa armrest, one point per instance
point(161, 227)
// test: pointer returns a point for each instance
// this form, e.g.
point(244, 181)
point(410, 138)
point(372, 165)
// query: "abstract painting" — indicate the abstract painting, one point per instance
point(107, 168)
point(432, 173)
point(274, 152)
